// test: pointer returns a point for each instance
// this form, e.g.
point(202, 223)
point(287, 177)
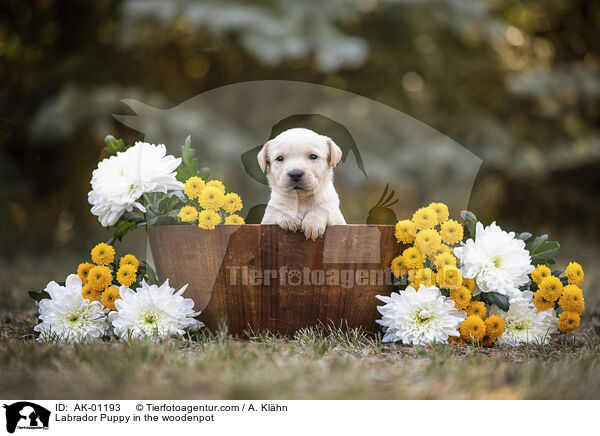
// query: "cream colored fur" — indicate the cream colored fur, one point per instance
point(310, 203)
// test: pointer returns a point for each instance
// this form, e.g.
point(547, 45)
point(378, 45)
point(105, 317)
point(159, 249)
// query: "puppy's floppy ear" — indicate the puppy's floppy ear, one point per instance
point(335, 153)
point(262, 157)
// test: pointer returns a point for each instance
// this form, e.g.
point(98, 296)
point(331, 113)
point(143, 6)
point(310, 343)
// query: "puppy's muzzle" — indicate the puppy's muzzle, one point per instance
point(295, 175)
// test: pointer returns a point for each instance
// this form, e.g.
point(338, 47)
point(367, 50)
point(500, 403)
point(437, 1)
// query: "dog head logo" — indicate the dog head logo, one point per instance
point(26, 415)
point(379, 144)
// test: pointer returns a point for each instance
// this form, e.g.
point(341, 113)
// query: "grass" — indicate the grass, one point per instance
point(315, 364)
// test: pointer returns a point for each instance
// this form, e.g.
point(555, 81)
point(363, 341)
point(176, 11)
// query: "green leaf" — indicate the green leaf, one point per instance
point(171, 202)
point(498, 299)
point(39, 296)
point(470, 221)
point(113, 146)
point(189, 163)
point(543, 251)
point(188, 153)
point(178, 194)
point(148, 274)
point(124, 226)
point(524, 236)
point(532, 246)
point(168, 218)
point(132, 216)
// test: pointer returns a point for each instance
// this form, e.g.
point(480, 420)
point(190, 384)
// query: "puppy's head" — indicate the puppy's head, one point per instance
point(299, 161)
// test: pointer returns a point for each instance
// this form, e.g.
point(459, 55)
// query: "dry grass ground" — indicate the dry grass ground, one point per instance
point(314, 364)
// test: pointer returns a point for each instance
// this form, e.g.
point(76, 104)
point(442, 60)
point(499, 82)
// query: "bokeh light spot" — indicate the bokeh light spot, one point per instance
point(197, 66)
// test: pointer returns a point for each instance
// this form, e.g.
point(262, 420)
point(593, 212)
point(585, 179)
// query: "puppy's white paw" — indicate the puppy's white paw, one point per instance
point(314, 225)
point(287, 222)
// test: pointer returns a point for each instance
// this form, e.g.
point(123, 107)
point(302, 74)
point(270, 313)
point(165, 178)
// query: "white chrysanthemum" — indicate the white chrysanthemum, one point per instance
point(119, 181)
point(419, 317)
point(525, 324)
point(155, 311)
point(67, 317)
point(497, 260)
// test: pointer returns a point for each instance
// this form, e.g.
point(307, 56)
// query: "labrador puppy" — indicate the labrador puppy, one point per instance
point(299, 166)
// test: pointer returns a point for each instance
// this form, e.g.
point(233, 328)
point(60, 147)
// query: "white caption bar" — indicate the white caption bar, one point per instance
point(24, 417)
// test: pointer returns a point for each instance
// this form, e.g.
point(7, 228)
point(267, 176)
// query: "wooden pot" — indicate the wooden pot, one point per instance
point(262, 278)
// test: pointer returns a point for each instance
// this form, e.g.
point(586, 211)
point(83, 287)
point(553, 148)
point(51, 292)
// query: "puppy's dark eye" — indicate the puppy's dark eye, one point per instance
point(279, 159)
point(313, 156)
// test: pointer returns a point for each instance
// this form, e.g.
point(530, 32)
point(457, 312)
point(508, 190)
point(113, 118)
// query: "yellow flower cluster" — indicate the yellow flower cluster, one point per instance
point(461, 297)
point(429, 259)
point(562, 291)
point(472, 329)
point(98, 278)
point(209, 204)
point(478, 329)
point(109, 297)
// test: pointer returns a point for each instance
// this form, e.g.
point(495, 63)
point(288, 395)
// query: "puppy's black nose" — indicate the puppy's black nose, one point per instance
point(296, 175)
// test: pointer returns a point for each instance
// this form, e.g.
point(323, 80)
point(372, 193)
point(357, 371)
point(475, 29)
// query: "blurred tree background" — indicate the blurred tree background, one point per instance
point(515, 82)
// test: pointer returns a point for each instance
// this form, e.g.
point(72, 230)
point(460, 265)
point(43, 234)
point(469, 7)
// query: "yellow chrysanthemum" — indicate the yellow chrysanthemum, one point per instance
point(233, 203)
point(129, 259)
point(425, 218)
point(456, 340)
point(568, 321)
point(487, 340)
point(428, 240)
point(441, 249)
point(472, 329)
point(216, 184)
point(541, 303)
point(99, 277)
point(126, 275)
point(494, 326)
point(550, 288)
point(412, 257)
point(477, 308)
point(89, 293)
point(423, 276)
point(441, 211)
point(193, 187)
point(83, 270)
point(461, 297)
point(445, 259)
point(188, 214)
point(208, 219)
point(574, 274)
point(103, 254)
point(451, 232)
point(572, 300)
point(397, 266)
point(234, 220)
point(211, 198)
point(449, 277)
point(109, 296)
point(470, 284)
point(405, 231)
point(540, 273)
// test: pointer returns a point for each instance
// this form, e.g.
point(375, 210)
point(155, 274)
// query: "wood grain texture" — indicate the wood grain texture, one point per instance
point(262, 278)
